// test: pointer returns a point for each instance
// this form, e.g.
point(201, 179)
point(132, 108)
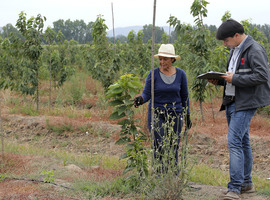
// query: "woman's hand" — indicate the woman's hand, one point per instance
point(138, 101)
point(188, 122)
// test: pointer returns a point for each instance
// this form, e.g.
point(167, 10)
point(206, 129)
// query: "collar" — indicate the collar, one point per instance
point(241, 44)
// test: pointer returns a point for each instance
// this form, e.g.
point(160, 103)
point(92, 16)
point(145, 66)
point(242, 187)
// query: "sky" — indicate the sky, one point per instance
point(132, 12)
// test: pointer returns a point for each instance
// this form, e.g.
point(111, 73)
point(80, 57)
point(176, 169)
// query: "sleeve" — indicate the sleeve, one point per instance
point(260, 71)
point(146, 94)
point(184, 93)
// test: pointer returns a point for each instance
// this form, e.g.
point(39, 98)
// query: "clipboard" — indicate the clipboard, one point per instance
point(212, 75)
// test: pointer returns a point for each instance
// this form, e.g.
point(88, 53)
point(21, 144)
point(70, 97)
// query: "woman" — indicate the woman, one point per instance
point(171, 103)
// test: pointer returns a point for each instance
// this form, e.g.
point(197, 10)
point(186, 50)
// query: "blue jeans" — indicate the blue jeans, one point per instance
point(241, 160)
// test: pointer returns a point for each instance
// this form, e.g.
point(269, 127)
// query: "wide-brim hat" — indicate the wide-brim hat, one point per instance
point(167, 50)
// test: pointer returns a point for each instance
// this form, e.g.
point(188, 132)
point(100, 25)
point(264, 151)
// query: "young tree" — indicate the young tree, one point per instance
point(32, 30)
point(198, 41)
point(106, 66)
point(200, 47)
point(49, 36)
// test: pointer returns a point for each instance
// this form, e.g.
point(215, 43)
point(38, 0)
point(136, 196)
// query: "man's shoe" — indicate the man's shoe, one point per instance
point(248, 189)
point(231, 195)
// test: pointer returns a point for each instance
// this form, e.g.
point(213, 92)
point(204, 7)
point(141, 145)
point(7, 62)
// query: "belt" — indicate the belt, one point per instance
point(231, 98)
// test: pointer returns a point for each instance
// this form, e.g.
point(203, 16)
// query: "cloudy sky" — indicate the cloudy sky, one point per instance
point(132, 12)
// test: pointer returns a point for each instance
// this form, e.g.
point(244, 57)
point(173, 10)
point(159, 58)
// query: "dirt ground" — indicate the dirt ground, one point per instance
point(208, 141)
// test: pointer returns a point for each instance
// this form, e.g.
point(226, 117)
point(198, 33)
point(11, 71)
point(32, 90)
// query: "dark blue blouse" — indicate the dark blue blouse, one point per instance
point(169, 97)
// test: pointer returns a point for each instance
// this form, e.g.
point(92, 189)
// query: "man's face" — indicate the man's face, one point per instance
point(231, 42)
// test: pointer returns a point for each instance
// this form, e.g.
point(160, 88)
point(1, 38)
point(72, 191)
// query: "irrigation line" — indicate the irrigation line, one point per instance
point(36, 180)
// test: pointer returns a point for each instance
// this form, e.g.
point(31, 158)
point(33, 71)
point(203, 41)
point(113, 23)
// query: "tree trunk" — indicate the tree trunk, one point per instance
point(201, 108)
point(37, 89)
point(50, 91)
point(213, 113)
point(1, 130)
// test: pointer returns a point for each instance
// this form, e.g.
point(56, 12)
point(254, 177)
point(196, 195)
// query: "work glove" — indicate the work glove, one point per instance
point(188, 122)
point(138, 101)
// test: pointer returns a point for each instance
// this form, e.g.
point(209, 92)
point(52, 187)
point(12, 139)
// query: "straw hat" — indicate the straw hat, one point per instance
point(167, 50)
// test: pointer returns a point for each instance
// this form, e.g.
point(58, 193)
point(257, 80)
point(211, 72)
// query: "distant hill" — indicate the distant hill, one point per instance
point(125, 30)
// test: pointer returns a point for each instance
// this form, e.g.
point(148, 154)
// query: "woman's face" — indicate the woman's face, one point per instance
point(165, 62)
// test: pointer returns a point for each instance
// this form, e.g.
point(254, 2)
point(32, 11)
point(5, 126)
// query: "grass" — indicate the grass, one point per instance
point(96, 189)
point(58, 129)
point(202, 173)
point(84, 160)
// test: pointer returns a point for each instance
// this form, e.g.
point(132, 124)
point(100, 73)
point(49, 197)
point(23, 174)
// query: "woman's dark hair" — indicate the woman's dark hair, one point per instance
point(228, 29)
point(173, 60)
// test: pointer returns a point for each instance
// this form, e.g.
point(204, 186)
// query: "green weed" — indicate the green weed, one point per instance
point(27, 109)
point(49, 176)
point(58, 129)
point(98, 189)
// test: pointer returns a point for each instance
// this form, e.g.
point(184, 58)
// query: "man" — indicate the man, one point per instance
point(246, 88)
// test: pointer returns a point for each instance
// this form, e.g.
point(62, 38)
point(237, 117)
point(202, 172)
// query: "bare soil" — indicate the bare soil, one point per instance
point(208, 141)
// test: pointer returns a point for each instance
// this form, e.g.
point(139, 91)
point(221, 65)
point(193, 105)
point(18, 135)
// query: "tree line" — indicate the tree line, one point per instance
point(31, 54)
point(81, 32)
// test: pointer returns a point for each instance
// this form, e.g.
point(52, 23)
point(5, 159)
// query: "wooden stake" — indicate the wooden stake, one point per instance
point(169, 38)
point(113, 28)
point(152, 74)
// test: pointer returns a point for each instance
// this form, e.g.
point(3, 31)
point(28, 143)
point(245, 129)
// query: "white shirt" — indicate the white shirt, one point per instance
point(230, 88)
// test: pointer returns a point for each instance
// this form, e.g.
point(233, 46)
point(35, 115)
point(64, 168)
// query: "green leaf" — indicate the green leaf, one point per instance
point(133, 130)
point(128, 169)
point(117, 90)
point(123, 156)
point(125, 121)
point(127, 102)
point(123, 140)
point(121, 109)
point(115, 115)
point(131, 85)
point(115, 85)
point(130, 112)
point(137, 84)
point(116, 103)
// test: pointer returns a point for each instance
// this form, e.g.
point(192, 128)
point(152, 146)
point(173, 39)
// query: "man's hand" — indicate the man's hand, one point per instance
point(229, 77)
point(213, 81)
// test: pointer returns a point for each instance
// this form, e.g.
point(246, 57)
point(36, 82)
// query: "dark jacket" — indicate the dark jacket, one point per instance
point(251, 78)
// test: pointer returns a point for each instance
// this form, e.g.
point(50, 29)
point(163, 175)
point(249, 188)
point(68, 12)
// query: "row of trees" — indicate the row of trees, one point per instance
point(81, 32)
point(25, 60)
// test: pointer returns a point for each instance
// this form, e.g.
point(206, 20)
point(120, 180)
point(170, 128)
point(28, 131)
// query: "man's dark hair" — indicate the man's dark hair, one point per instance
point(228, 29)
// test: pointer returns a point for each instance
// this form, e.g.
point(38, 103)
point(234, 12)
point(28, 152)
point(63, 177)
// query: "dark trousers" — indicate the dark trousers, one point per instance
point(167, 129)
